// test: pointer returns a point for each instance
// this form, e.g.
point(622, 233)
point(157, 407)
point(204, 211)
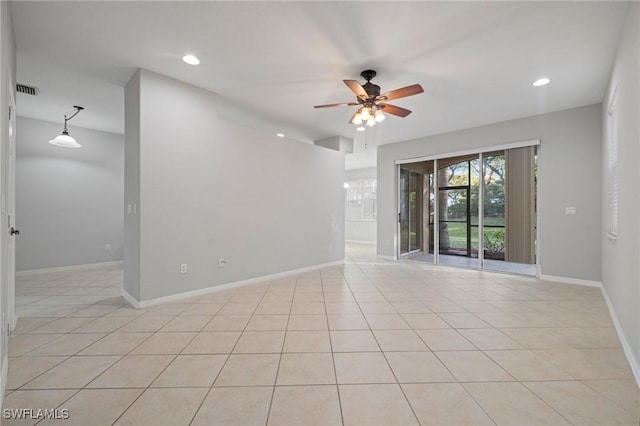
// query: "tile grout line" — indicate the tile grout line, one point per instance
point(195, 414)
point(406, 398)
point(145, 389)
point(333, 359)
point(284, 340)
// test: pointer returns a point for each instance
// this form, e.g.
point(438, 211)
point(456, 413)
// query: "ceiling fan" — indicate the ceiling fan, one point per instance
point(373, 104)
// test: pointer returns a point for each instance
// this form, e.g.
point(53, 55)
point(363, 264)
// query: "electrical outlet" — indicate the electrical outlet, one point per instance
point(183, 268)
point(221, 263)
point(107, 247)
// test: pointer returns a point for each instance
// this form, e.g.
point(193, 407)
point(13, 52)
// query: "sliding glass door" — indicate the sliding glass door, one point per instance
point(480, 210)
point(493, 208)
point(509, 219)
point(410, 215)
point(458, 180)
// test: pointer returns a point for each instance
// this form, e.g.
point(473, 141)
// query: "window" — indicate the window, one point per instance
point(361, 199)
point(612, 160)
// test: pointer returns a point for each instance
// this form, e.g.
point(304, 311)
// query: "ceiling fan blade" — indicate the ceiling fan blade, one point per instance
point(356, 88)
point(402, 93)
point(394, 110)
point(335, 105)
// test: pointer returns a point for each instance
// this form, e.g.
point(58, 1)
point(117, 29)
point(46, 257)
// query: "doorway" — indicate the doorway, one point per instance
point(410, 211)
point(458, 188)
point(481, 210)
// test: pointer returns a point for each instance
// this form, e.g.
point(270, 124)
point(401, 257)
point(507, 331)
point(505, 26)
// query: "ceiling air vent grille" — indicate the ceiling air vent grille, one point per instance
point(28, 90)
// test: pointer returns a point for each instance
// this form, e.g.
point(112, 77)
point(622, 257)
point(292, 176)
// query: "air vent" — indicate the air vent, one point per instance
point(27, 90)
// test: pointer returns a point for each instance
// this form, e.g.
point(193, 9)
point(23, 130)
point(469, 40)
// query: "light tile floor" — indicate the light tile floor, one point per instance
point(372, 342)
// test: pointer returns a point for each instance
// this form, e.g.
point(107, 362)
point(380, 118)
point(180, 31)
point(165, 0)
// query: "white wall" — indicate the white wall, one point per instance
point(361, 230)
point(368, 173)
point(69, 202)
point(568, 176)
point(211, 189)
point(132, 187)
point(620, 260)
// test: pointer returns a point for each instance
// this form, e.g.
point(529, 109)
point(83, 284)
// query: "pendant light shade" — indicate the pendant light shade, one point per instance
point(365, 114)
point(64, 140)
point(369, 115)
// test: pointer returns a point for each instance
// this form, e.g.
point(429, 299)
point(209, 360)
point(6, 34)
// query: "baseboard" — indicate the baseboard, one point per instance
point(174, 297)
point(70, 268)
point(130, 299)
point(633, 361)
point(566, 280)
point(373, 243)
point(3, 379)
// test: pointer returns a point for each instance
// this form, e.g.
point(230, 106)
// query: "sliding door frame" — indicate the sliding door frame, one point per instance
point(410, 218)
point(481, 211)
point(436, 222)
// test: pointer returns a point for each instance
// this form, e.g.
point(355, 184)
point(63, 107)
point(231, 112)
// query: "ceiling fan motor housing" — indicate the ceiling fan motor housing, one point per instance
point(373, 90)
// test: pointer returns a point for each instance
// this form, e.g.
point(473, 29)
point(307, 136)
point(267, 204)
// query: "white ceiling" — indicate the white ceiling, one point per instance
point(272, 61)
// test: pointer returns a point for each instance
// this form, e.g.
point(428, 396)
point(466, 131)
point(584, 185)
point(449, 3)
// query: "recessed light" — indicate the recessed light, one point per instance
point(280, 135)
point(361, 129)
point(542, 81)
point(191, 60)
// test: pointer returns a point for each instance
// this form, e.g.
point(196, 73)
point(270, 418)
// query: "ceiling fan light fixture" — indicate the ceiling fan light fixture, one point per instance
point(379, 116)
point(371, 121)
point(357, 119)
point(361, 129)
point(365, 114)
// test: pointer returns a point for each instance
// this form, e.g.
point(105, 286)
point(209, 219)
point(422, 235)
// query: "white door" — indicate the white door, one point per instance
point(7, 201)
point(11, 211)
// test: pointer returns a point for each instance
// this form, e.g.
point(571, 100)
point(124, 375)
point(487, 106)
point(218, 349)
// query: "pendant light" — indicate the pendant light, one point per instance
point(64, 140)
